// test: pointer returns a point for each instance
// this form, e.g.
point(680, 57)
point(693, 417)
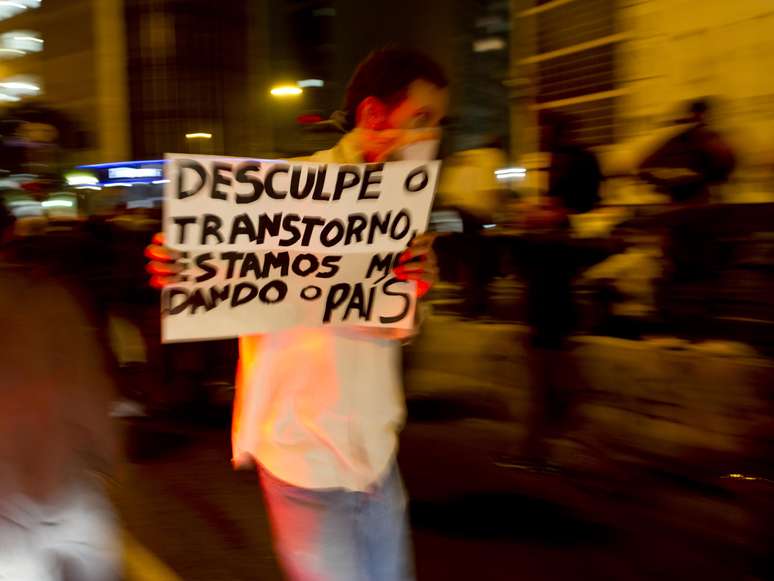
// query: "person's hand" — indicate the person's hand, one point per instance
point(244, 461)
point(419, 263)
point(384, 142)
point(162, 265)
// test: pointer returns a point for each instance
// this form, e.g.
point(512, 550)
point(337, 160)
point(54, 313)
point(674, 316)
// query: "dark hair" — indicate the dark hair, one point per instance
point(386, 74)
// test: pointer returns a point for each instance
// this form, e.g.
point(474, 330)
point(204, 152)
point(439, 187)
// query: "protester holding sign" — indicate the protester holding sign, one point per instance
point(319, 407)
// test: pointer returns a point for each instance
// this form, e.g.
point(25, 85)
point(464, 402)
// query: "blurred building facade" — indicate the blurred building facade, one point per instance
point(63, 57)
point(137, 76)
point(625, 69)
point(194, 76)
point(479, 74)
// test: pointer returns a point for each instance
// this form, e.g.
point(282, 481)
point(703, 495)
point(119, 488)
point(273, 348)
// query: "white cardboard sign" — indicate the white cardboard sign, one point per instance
point(269, 245)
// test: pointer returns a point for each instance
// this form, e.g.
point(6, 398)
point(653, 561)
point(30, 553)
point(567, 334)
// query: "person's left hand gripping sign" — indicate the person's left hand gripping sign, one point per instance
point(163, 266)
point(418, 263)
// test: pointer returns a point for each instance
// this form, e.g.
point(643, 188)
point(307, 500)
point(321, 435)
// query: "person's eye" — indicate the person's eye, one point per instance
point(421, 119)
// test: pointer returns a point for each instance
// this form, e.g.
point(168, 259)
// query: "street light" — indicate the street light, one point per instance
point(81, 179)
point(304, 83)
point(199, 135)
point(286, 91)
point(18, 88)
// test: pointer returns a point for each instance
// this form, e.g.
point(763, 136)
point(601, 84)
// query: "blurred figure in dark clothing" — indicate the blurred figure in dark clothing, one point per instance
point(550, 264)
point(55, 434)
point(574, 175)
point(131, 312)
point(685, 168)
point(574, 178)
point(468, 186)
point(693, 160)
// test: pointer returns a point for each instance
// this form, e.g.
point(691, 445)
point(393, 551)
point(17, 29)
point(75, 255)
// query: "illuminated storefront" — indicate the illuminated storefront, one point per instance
point(120, 185)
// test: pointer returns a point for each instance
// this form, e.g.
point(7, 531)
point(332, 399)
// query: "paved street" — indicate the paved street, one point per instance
point(666, 473)
point(471, 518)
point(614, 511)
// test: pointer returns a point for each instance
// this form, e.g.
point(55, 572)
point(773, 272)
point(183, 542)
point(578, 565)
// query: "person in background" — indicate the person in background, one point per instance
point(688, 164)
point(319, 409)
point(469, 187)
point(686, 167)
point(55, 434)
point(549, 263)
point(574, 175)
point(574, 178)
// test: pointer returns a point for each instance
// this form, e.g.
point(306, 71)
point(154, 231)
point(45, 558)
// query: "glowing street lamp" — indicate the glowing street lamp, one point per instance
point(199, 135)
point(81, 179)
point(286, 91)
point(19, 88)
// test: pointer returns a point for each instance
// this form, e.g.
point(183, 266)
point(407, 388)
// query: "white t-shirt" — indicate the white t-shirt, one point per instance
point(320, 408)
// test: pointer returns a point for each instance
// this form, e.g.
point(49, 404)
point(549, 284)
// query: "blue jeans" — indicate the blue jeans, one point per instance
point(340, 535)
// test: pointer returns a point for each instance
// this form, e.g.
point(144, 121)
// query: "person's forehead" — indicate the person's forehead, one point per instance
point(423, 93)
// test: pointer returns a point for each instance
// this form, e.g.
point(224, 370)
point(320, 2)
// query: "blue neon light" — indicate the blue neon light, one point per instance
point(127, 183)
point(122, 164)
